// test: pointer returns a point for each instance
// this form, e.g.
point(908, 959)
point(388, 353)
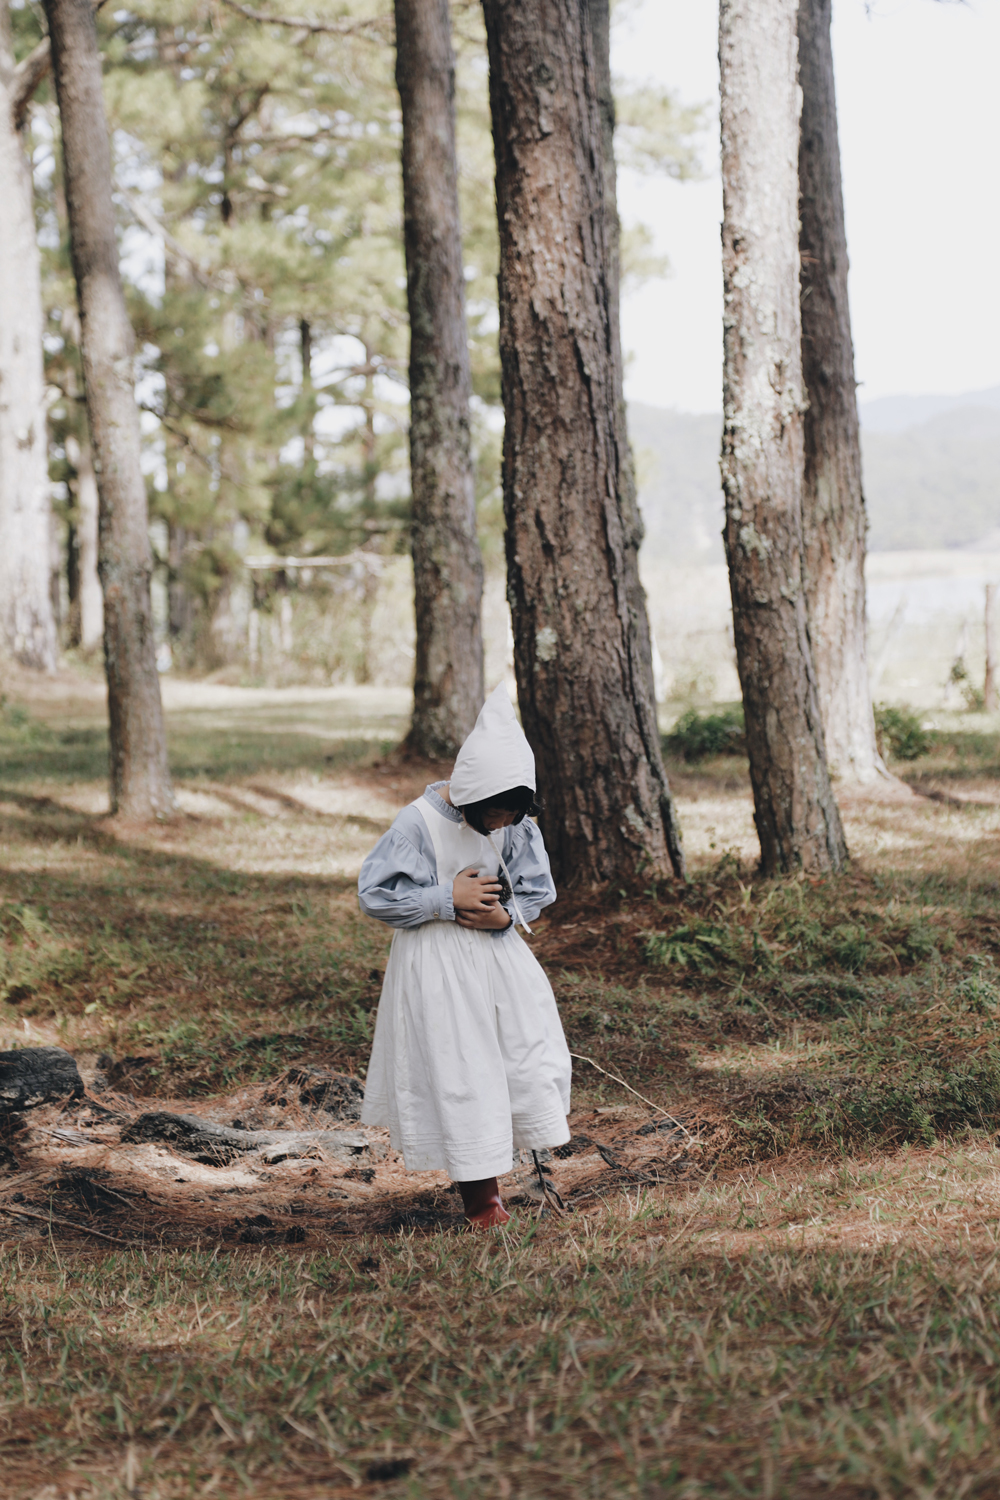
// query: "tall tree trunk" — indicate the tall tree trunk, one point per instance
point(797, 819)
point(89, 599)
point(581, 641)
point(181, 610)
point(140, 780)
point(369, 576)
point(599, 16)
point(72, 584)
point(447, 565)
point(308, 392)
point(833, 507)
point(27, 622)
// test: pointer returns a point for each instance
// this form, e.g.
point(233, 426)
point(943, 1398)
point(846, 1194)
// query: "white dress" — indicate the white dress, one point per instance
point(469, 1062)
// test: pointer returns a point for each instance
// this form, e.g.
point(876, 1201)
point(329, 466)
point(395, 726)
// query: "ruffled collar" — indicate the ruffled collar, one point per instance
point(440, 805)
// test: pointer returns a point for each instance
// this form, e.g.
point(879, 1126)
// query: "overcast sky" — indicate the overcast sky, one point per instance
point(918, 87)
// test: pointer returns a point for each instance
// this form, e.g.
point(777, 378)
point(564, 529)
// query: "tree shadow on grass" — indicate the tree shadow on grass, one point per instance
point(224, 974)
point(211, 745)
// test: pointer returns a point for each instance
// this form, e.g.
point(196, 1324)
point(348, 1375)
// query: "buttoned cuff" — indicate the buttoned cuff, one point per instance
point(440, 904)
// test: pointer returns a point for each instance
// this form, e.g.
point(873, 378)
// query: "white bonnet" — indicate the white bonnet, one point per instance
point(495, 757)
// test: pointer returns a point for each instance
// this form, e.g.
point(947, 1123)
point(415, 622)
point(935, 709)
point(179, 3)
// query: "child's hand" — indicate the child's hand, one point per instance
point(476, 896)
point(494, 916)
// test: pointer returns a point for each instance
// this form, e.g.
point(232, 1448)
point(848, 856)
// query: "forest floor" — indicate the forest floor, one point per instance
point(788, 1286)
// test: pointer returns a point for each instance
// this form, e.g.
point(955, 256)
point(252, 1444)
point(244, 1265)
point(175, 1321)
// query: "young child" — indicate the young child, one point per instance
point(469, 1061)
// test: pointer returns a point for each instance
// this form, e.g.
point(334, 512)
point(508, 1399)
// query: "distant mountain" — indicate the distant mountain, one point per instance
point(677, 468)
point(897, 413)
point(936, 484)
point(931, 468)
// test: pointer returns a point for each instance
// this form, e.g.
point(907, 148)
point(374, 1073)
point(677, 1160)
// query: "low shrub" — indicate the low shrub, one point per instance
point(697, 945)
point(899, 732)
point(696, 736)
point(978, 992)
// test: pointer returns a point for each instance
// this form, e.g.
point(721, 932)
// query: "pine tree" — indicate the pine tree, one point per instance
point(447, 566)
point(762, 455)
point(833, 507)
point(278, 207)
point(257, 166)
point(27, 621)
point(580, 647)
point(140, 780)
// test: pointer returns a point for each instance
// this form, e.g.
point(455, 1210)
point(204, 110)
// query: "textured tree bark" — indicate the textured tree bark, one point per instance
point(599, 17)
point(581, 639)
point(797, 819)
point(90, 600)
point(27, 622)
point(140, 780)
point(599, 21)
point(833, 507)
point(447, 565)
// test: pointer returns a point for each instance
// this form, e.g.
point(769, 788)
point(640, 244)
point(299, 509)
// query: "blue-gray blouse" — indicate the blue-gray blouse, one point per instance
point(399, 885)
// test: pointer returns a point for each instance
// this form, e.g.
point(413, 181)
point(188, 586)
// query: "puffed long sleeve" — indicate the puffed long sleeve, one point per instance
point(398, 882)
point(528, 863)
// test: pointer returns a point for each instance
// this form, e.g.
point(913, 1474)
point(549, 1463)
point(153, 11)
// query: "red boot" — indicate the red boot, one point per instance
point(482, 1203)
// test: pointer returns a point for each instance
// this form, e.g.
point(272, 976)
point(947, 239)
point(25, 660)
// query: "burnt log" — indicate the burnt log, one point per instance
point(217, 1145)
point(202, 1139)
point(37, 1075)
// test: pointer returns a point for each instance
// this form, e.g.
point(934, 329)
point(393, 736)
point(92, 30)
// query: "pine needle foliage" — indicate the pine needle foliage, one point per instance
point(260, 200)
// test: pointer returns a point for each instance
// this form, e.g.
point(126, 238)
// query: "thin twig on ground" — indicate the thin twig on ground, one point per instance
point(50, 1219)
point(657, 1107)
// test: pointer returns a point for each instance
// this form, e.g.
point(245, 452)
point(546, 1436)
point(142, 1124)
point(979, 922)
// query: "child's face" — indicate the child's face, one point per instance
point(497, 817)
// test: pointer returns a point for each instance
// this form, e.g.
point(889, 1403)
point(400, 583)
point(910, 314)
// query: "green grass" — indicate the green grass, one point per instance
point(225, 977)
point(614, 1360)
point(201, 743)
point(887, 983)
point(960, 754)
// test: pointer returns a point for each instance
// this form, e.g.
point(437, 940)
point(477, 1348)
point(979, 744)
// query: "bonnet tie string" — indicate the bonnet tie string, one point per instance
point(517, 909)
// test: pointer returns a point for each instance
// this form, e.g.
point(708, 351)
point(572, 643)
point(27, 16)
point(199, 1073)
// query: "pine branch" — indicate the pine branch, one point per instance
point(27, 76)
point(29, 73)
point(237, 123)
point(378, 24)
point(191, 447)
point(145, 216)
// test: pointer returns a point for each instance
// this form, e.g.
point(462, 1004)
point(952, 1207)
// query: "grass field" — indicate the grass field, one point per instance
point(810, 1307)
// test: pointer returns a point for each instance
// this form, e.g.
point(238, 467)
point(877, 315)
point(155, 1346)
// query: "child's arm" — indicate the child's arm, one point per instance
point(528, 863)
point(398, 882)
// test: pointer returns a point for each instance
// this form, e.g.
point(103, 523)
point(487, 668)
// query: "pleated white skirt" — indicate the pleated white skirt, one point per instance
point(469, 1060)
